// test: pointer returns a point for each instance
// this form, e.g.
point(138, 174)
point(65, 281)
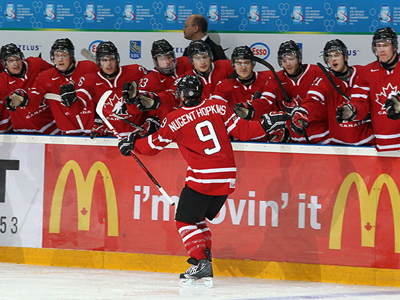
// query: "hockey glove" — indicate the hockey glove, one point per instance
point(68, 94)
point(392, 106)
point(290, 106)
point(346, 112)
point(257, 95)
point(299, 121)
point(244, 110)
point(279, 136)
point(98, 129)
point(130, 92)
point(148, 101)
point(151, 125)
point(19, 98)
point(127, 144)
point(274, 120)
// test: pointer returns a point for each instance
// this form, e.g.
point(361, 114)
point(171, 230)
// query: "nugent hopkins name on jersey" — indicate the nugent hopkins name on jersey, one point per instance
point(193, 115)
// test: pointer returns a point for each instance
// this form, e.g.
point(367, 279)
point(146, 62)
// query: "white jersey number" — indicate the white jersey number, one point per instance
point(211, 136)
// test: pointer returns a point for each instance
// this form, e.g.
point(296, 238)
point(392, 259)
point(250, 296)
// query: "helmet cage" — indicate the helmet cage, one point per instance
point(165, 71)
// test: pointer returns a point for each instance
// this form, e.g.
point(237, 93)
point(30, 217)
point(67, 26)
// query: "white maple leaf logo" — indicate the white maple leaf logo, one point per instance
point(117, 104)
point(384, 95)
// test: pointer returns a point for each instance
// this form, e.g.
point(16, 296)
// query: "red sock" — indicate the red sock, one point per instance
point(193, 239)
point(206, 231)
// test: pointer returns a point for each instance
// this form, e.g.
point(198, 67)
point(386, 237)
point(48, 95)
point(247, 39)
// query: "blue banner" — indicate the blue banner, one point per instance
point(223, 16)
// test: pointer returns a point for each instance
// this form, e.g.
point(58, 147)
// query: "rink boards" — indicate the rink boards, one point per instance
point(299, 212)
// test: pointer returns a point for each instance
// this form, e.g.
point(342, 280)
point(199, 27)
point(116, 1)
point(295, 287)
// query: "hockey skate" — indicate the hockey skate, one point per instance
point(199, 273)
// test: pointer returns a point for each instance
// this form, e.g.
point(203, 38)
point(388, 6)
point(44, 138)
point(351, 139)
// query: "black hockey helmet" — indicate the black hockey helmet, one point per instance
point(161, 48)
point(198, 47)
point(191, 87)
point(63, 44)
point(242, 52)
point(334, 45)
point(287, 48)
point(8, 51)
point(106, 49)
point(386, 34)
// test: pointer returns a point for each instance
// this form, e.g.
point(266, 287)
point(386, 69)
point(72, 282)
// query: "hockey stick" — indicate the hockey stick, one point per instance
point(51, 96)
point(270, 67)
point(329, 77)
point(55, 97)
point(141, 129)
point(99, 110)
point(287, 99)
point(88, 55)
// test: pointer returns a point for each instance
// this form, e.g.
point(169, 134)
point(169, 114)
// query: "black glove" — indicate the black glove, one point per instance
point(290, 106)
point(68, 94)
point(19, 98)
point(274, 120)
point(392, 106)
point(346, 112)
point(130, 92)
point(127, 144)
point(279, 136)
point(148, 101)
point(257, 95)
point(244, 110)
point(299, 121)
point(150, 125)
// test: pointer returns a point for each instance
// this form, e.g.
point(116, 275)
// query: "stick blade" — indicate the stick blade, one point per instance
point(100, 104)
point(88, 55)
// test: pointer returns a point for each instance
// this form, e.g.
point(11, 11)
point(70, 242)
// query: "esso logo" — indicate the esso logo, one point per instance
point(93, 46)
point(260, 50)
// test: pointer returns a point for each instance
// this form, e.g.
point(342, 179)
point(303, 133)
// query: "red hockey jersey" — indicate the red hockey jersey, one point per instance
point(202, 134)
point(93, 86)
point(221, 69)
point(30, 119)
point(298, 90)
point(233, 91)
point(157, 82)
point(321, 103)
point(371, 90)
point(50, 81)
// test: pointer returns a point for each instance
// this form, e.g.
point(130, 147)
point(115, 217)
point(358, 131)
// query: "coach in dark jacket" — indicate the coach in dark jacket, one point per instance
point(195, 28)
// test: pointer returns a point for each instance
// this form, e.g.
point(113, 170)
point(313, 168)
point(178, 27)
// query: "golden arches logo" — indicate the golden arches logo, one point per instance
point(368, 209)
point(84, 189)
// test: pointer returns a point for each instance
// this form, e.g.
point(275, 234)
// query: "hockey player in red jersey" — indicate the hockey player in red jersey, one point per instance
point(15, 82)
point(200, 56)
point(322, 100)
point(250, 93)
point(167, 68)
point(376, 84)
point(247, 86)
point(110, 76)
point(201, 128)
point(51, 82)
point(296, 79)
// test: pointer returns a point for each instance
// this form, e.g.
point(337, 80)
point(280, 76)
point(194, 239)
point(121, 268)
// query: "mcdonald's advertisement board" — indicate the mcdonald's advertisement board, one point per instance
point(287, 207)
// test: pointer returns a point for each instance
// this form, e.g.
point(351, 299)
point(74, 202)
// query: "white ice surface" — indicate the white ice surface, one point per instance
point(29, 282)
